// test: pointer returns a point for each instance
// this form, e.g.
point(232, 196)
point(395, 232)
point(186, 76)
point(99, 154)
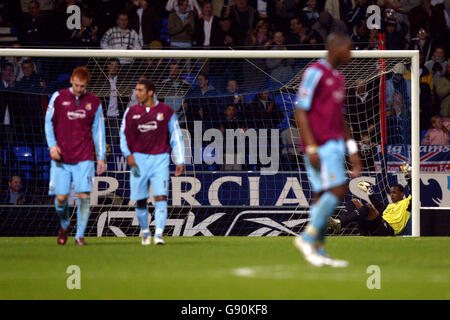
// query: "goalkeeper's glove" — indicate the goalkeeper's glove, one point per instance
point(406, 169)
point(135, 171)
point(366, 187)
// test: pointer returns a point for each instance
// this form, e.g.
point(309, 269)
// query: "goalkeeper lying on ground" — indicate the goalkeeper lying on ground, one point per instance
point(374, 219)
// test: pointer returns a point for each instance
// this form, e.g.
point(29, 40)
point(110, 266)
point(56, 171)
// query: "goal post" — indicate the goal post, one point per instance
point(409, 55)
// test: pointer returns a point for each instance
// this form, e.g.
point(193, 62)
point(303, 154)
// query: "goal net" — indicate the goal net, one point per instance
point(244, 171)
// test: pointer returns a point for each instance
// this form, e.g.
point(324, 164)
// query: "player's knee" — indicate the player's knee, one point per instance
point(62, 199)
point(160, 198)
point(141, 204)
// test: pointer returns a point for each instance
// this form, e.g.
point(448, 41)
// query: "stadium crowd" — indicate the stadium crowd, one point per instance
point(219, 102)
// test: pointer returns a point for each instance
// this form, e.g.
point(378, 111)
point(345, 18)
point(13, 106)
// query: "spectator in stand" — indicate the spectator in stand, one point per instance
point(362, 104)
point(422, 43)
point(175, 87)
point(208, 28)
point(299, 35)
point(443, 92)
point(395, 33)
point(230, 120)
point(144, 20)
point(280, 12)
point(121, 37)
point(339, 9)
point(262, 112)
point(244, 18)
point(173, 6)
point(232, 95)
point(87, 35)
point(17, 63)
point(15, 193)
point(181, 25)
point(227, 36)
point(429, 16)
point(327, 24)
point(373, 40)
point(204, 96)
point(309, 13)
point(105, 15)
point(438, 134)
point(438, 63)
point(30, 80)
point(398, 84)
point(7, 82)
point(112, 103)
point(36, 29)
point(360, 35)
point(8, 79)
point(280, 69)
point(258, 37)
point(397, 121)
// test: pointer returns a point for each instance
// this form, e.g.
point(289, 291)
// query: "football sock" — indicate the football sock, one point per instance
point(160, 217)
point(319, 213)
point(142, 215)
point(61, 210)
point(82, 216)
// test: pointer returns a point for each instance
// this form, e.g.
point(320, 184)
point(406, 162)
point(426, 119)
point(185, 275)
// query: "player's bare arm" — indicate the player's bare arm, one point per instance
point(307, 137)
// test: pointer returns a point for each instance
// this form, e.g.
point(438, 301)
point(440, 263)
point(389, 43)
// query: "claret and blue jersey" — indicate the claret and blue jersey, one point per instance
point(321, 94)
point(76, 125)
point(150, 134)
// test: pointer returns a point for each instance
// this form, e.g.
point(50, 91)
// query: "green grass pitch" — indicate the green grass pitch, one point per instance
point(227, 268)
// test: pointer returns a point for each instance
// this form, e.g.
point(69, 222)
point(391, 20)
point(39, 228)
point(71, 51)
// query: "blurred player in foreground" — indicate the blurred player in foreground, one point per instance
point(74, 126)
point(324, 137)
point(148, 132)
point(374, 218)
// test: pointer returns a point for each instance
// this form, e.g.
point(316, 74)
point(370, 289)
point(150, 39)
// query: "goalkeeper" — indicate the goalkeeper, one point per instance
point(374, 219)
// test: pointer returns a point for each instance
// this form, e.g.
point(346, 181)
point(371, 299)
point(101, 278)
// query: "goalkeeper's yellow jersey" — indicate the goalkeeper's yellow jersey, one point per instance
point(397, 214)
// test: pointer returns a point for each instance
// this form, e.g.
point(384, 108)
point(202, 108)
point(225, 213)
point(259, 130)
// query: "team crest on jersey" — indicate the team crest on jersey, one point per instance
point(88, 106)
point(160, 116)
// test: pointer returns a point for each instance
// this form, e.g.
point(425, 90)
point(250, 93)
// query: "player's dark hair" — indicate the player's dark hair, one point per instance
point(148, 84)
point(399, 187)
point(337, 39)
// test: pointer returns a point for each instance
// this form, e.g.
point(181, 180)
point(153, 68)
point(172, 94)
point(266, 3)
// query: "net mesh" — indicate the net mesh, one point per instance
point(244, 175)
